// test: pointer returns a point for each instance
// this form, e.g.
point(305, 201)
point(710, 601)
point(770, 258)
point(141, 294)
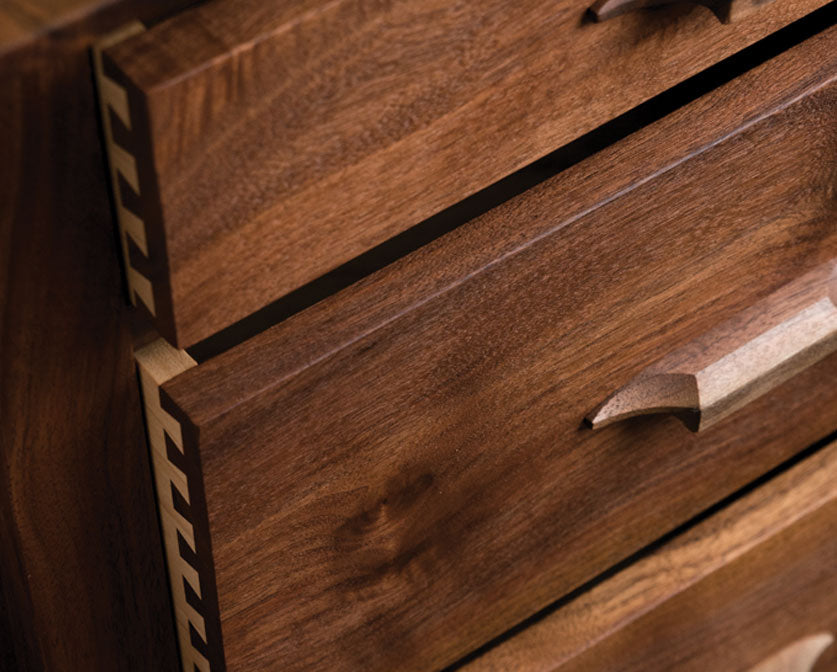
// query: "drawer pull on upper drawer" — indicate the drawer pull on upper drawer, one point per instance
point(727, 11)
point(738, 361)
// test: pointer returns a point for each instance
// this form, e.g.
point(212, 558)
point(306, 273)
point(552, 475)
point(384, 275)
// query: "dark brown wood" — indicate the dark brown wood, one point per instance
point(275, 141)
point(399, 473)
point(753, 580)
point(737, 361)
point(82, 580)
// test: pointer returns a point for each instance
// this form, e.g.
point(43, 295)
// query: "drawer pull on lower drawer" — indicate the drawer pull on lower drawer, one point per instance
point(801, 656)
point(727, 11)
point(738, 361)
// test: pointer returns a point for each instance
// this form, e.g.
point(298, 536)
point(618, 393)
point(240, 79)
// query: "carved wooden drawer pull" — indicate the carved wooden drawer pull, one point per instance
point(727, 11)
point(801, 656)
point(738, 361)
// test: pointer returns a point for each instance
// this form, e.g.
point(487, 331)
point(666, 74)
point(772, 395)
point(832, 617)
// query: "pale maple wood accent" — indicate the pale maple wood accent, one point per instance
point(114, 98)
point(801, 656)
point(738, 361)
point(687, 560)
point(157, 363)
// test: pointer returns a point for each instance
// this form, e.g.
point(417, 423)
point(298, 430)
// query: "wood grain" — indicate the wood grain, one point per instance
point(385, 465)
point(82, 576)
point(750, 587)
point(247, 113)
point(704, 381)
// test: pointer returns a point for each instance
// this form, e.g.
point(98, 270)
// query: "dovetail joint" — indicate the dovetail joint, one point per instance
point(113, 99)
point(157, 363)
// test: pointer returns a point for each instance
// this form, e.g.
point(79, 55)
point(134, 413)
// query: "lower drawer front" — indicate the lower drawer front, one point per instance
point(753, 588)
point(388, 480)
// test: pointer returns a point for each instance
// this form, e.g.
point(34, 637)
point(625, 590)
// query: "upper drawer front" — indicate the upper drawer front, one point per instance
point(752, 588)
point(275, 140)
point(399, 473)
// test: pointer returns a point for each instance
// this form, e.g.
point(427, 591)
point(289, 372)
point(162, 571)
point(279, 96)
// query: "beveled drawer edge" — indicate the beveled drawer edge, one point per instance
point(113, 100)
point(681, 563)
point(175, 492)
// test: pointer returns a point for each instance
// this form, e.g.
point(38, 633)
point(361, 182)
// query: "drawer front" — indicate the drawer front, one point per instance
point(379, 469)
point(272, 143)
point(753, 587)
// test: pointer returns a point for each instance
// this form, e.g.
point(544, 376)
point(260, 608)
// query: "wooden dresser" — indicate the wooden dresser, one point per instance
point(448, 336)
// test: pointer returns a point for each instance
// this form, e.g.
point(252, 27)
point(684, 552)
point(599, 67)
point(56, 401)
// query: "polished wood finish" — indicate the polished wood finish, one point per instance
point(751, 586)
point(392, 462)
point(82, 576)
point(275, 141)
point(738, 361)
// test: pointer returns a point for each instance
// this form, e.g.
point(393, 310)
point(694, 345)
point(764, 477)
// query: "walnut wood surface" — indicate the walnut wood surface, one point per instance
point(82, 577)
point(737, 361)
point(275, 141)
point(408, 454)
point(752, 586)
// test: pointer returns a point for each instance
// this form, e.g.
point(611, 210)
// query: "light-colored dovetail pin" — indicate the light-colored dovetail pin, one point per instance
point(157, 363)
point(114, 98)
